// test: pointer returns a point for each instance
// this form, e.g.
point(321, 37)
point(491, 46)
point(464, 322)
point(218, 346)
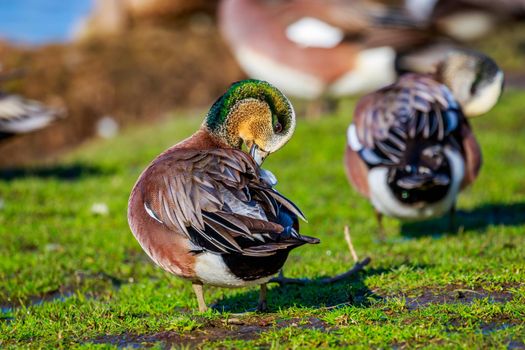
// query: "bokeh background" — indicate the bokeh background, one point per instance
point(134, 60)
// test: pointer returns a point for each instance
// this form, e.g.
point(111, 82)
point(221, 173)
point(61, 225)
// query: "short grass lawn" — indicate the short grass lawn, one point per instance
point(72, 275)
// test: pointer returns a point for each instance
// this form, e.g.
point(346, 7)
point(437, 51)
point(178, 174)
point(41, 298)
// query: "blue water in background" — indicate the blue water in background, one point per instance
point(41, 21)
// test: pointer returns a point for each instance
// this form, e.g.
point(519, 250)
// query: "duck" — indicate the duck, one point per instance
point(204, 210)
point(20, 115)
point(315, 50)
point(410, 148)
point(465, 20)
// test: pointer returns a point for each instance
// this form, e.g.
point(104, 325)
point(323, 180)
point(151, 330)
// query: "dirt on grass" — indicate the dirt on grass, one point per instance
point(454, 294)
point(235, 328)
point(251, 327)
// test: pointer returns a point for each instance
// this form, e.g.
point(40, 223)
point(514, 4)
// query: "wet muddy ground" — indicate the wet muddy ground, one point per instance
point(238, 328)
point(250, 326)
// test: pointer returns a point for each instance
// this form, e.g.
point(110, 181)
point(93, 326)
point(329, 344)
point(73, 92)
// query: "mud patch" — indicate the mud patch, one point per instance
point(492, 327)
point(229, 329)
point(171, 339)
point(7, 310)
point(453, 294)
point(60, 294)
point(309, 323)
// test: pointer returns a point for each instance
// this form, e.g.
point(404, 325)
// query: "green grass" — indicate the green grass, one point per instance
point(70, 277)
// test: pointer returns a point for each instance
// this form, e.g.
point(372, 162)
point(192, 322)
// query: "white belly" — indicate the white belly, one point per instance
point(374, 69)
point(212, 270)
point(286, 78)
point(363, 77)
point(385, 202)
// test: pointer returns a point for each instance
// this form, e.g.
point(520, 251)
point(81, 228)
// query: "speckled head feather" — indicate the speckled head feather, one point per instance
point(252, 111)
point(474, 78)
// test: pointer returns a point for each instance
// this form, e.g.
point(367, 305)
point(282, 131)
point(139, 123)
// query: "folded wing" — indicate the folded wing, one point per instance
point(414, 107)
point(219, 201)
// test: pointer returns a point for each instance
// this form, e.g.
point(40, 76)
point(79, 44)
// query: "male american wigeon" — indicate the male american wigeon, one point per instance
point(205, 211)
point(465, 20)
point(317, 48)
point(410, 148)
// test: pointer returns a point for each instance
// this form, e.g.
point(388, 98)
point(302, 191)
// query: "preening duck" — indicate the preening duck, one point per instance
point(205, 211)
point(410, 148)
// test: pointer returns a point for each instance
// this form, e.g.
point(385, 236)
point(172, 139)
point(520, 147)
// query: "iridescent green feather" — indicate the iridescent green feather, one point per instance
point(250, 88)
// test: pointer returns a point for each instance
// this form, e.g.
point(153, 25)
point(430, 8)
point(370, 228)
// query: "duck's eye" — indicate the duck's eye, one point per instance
point(277, 128)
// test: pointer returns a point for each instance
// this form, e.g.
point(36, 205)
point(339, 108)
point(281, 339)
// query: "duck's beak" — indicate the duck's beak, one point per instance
point(258, 154)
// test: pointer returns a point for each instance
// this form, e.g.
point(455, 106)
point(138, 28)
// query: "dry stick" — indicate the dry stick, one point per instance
point(350, 245)
point(358, 266)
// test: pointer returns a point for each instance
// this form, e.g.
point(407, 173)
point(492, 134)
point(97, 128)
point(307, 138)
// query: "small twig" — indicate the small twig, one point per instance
point(350, 245)
point(358, 266)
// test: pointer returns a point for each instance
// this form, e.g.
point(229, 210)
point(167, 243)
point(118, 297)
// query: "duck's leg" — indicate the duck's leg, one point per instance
point(262, 306)
point(380, 227)
point(321, 105)
point(197, 288)
point(452, 219)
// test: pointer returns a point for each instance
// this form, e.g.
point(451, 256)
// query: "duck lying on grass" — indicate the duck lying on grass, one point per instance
point(204, 210)
point(19, 115)
point(410, 149)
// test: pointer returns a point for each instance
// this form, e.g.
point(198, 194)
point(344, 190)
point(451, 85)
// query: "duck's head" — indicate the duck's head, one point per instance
point(253, 113)
point(475, 80)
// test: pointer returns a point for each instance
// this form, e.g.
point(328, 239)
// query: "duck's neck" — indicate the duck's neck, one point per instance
point(202, 139)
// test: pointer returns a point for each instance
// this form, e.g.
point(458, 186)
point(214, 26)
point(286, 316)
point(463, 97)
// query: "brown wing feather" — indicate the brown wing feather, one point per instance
point(356, 171)
point(196, 192)
point(473, 158)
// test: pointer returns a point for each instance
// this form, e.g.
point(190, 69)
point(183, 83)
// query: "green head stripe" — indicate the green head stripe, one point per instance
point(244, 89)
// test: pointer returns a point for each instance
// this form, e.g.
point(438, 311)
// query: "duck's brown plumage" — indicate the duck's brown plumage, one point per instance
point(416, 106)
point(191, 191)
point(261, 26)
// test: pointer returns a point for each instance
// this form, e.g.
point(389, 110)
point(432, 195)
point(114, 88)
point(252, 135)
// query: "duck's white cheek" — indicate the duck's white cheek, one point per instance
point(486, 100)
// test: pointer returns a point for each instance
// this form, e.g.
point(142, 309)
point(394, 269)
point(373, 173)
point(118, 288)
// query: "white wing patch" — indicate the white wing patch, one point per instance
point(151, 213)
point(353, 140)
point(420, 9)
point(311, 32)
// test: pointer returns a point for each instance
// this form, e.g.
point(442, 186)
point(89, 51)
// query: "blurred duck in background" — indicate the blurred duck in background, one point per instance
point(19, 115)
point(312, 49)
point(465, 20)
point(410, 149)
